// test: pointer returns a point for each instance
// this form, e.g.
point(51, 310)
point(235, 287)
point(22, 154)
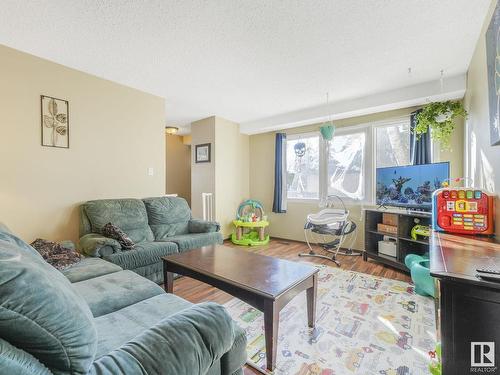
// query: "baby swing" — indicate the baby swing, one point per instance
point(331, 225)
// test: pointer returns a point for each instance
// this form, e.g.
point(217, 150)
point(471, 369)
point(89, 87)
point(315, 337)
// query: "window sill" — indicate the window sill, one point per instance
point(347, 201)
point(303, 200)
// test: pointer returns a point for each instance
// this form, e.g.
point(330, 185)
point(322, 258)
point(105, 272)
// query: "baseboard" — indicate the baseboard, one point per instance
point(286, 240)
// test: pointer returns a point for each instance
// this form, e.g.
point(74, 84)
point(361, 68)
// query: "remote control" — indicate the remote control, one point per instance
point(493, 271)
point(489, 277)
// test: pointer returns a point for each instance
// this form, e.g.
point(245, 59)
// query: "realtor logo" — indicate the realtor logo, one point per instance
point(482, 354)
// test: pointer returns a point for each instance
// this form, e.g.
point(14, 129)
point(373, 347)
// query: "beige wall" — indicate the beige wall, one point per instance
point(178, 171)
point(202, 174)
point(116, 134)
point(455, 155)
point(482, 160)
point(227, 175)
point(232, 171)
point(291, 224)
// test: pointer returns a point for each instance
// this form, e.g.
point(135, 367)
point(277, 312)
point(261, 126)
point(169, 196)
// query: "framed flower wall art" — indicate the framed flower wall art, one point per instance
point(55, 122)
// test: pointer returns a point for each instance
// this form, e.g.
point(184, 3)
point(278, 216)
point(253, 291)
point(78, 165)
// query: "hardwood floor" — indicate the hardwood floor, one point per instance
point(196, 291)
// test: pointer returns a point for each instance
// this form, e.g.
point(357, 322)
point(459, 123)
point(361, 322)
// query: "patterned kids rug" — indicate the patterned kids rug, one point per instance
point(365, 325)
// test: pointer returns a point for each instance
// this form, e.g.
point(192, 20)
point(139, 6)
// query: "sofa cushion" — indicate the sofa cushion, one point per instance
point(128, 214)
point(203, 226)
point(96, 245)
point(9, 237)
point(153, 272)
point(143, 254)
point(196, 240)
point(121, 326)
point(188, 342)
point(17, 361)
point(89, 268)
point(237, 355)
point(167, 216)
point(108, 293)
point(41, 313)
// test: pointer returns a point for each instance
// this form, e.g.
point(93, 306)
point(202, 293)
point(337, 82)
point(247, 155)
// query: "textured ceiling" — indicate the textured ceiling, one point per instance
point(250, 59)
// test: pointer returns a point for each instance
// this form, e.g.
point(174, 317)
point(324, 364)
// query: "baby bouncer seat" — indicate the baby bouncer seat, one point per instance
point(330, 227)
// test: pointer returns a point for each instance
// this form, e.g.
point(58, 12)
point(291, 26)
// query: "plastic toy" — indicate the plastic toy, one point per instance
point(435, 365)
point(463, 210)
point(420, 274)
point(250, 224)
point(420, 230)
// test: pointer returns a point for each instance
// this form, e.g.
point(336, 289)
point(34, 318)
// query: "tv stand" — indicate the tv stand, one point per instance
point(404, 243)
point(417, 212)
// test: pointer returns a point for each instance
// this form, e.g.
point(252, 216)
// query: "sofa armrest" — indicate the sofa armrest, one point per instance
point(185, 343)
point(16, 361)
point(96, 245)
point(202, 226)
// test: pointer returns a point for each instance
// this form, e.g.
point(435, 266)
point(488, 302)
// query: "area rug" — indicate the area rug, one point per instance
point(365, 325)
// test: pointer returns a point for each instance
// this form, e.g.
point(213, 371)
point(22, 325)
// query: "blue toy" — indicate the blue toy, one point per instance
point(420, 274)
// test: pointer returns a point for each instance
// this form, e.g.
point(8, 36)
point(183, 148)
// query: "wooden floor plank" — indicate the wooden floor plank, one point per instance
point(196, 291)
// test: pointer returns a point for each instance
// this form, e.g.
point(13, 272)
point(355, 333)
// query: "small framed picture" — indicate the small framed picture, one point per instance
point(55, 122)
point(202, 153)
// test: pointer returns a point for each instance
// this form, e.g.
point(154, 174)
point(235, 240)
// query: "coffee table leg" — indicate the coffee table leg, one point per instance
point(271, 321)
point(311, 302)
point(169, 281)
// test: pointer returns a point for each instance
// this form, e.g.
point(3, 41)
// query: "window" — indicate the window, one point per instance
point(302, 166)
point(346, 165)
point(393, 144)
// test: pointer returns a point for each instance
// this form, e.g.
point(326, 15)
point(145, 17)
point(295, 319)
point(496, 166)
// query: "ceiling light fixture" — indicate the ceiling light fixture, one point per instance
point(171, 130)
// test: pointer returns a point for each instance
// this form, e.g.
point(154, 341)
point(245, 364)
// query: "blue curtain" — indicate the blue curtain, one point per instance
point(279, 202)
point(420, 149)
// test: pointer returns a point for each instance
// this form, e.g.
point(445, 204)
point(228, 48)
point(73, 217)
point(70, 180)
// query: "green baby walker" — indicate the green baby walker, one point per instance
point(250, 224)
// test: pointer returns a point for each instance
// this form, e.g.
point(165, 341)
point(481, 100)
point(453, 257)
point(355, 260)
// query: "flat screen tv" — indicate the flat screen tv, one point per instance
point(410, 186)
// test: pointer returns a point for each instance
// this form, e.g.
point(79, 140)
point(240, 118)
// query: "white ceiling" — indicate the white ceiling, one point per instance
point(250, 60)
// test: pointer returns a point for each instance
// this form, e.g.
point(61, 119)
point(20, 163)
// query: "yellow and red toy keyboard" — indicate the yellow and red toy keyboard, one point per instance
point(463, 210)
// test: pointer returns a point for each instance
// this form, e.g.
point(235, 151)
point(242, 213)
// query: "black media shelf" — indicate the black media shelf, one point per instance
point(404, 243)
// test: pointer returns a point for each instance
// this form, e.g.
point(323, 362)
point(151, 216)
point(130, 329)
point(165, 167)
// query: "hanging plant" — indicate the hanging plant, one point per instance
point(327, 131)
point(439, 118)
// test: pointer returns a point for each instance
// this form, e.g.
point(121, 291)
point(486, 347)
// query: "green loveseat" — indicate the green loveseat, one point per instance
point(159, 226)
point(95, 318)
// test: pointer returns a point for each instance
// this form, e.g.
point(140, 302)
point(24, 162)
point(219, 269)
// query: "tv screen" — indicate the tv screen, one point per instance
point(410, 186)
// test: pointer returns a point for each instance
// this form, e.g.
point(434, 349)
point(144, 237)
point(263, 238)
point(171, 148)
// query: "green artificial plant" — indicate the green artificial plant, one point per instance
point(439, 118)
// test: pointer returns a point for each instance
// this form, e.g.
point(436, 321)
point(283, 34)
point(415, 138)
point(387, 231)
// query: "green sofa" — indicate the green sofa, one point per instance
point(95, 318)
point(159, 226)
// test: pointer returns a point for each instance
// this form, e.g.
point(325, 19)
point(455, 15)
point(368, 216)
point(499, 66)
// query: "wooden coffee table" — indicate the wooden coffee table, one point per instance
point(263, 282)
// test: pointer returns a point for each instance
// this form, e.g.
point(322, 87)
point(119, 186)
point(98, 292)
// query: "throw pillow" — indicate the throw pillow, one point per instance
point(112, 231)
point(55, 254)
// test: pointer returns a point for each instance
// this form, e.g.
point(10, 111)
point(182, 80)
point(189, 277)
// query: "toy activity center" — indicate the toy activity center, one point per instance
point(463, 211)
point(250, 224)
